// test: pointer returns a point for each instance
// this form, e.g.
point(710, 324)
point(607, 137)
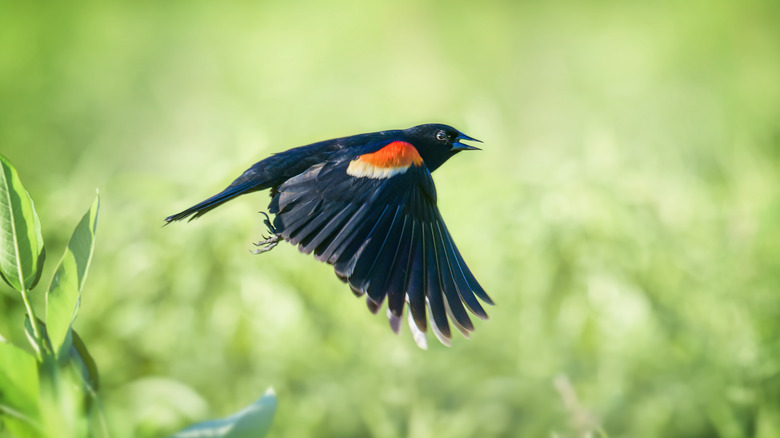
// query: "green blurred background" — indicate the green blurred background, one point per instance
point(623, 214)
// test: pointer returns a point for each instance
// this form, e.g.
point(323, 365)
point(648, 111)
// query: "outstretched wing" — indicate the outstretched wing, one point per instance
point(377, 223)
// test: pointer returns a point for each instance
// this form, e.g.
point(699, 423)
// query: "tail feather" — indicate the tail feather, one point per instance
point(220, 198)
point(265, 174)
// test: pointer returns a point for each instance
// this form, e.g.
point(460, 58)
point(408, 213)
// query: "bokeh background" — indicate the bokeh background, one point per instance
point(623, 214)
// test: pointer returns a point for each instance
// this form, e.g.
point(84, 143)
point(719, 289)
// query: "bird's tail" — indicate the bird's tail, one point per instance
point(220, 198)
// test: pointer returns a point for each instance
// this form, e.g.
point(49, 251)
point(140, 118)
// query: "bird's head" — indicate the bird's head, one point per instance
point(436, 143)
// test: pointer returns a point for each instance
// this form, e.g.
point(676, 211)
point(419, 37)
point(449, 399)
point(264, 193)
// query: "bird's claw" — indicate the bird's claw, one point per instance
point(266, 245)
point(268, 224)
point(269, 242)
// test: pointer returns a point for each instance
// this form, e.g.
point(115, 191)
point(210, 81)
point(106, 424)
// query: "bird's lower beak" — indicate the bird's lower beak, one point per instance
point(458, 146)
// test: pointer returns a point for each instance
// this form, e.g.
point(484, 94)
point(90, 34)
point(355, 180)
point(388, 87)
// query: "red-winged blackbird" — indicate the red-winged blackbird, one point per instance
point(366, 204)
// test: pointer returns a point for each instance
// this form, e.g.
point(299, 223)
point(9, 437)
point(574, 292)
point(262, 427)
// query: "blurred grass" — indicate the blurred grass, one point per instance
point(623, 213)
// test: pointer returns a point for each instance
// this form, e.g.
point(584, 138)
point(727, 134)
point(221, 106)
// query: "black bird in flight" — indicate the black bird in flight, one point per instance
point(366, 204)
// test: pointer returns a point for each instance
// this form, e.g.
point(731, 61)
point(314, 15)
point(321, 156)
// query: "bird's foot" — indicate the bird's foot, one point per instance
point(268, 224)
point(268, 243)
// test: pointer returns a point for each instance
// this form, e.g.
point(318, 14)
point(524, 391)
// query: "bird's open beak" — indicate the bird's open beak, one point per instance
point(458, 146)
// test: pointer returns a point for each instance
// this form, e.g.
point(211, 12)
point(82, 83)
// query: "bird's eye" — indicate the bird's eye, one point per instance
point(442, 136)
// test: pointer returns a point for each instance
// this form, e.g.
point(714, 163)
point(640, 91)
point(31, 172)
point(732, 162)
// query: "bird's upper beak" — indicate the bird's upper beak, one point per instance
point(458, 146)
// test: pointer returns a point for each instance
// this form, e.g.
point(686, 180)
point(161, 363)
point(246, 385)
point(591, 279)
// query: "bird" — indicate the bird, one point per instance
point(367, 205)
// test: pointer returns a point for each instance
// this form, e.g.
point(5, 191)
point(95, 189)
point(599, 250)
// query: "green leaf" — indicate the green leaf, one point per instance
point(254, 421)
point(21, 243)
point(85, 362)
point(78, 355)
point(18, 380)
point(19, 385)
point(62, 301)
point(62, 400)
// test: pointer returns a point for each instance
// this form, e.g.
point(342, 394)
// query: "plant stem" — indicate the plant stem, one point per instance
point(33, 322)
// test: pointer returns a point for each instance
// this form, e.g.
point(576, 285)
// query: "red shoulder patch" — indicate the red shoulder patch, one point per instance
point(391, 160)
point(395, 154)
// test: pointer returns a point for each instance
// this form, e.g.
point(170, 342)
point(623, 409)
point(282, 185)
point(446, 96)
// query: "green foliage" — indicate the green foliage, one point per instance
point(251, 422)
point(19, 394)
point(44, 394)
point(22, 253)
point(55, 395)
point(64, 296)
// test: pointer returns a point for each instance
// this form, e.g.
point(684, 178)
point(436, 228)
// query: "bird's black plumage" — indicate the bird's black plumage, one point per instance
point(366, 204)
